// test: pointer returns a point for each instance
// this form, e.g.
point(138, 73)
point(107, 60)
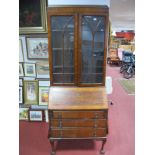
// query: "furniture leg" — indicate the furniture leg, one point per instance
point(102, 146)
point(53, 148)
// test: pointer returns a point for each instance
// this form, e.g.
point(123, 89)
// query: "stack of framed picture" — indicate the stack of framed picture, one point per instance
point(32, 114)
point(33, 94)
point(33, 60)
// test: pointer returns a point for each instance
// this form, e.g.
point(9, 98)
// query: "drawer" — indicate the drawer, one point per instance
point(77, 133)
point(79, 114)
point(97, 123)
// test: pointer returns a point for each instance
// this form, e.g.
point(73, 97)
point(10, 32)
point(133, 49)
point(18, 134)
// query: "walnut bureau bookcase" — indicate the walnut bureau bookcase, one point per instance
point(77, 40)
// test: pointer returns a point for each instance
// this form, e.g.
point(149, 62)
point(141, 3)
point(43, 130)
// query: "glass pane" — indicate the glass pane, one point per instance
point(57, 69)
point(91, 78)
point(63, 78)
point(57, 78)
point(68, 58)
point(57, 58)
point(92, 49)
point(68, 78)
point(62, 41)
point(57, 42)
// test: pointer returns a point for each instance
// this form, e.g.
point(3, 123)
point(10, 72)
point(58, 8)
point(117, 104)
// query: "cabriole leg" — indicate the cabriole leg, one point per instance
point(53, 147)
point(102, 146)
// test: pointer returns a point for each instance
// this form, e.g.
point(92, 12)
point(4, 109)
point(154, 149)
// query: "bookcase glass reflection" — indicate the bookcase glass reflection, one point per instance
point(63, 48)
point(77, 49)
point(92, 49)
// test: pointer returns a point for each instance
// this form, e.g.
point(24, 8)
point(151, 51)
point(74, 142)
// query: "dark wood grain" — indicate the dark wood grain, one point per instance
point(78, 132)
point(99, 123)
point(77, 110)
point(80, 114)
point(77, 98)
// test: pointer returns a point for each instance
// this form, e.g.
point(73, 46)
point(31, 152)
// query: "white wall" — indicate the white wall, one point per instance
point(79, 2)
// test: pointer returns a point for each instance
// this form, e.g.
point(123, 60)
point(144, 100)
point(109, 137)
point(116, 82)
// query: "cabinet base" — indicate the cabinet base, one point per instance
point(53, 152)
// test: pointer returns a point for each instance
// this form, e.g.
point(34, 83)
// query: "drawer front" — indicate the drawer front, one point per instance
point(78, 133)
point(80, 114)
point(97, 123)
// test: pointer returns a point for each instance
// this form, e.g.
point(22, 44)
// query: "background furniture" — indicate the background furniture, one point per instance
point(113, 56)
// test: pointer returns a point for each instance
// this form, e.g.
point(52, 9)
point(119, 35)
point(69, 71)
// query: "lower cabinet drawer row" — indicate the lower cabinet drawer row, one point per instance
point(77, 124)
point(97, 123)
point(78, 133)
point(78, 114)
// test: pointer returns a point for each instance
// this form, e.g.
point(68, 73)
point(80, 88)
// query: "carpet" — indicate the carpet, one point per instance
point(128, 85)
point(121, 121)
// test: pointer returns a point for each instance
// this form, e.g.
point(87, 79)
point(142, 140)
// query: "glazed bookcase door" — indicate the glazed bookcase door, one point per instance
point(62, 29)
point(92, 49)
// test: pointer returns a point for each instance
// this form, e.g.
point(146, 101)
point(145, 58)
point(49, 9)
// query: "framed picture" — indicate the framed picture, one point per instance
point(20, 95)
point(32, 16)
point(37, 47)
point(21, 72)
point(31, 92)
point(20, 82)
point(39, 107)
point(42, 69)
point(23, 113)
point(43, 95)
point(44, 83)
point(30, 70)
point(21, 57)
point(26, 60)
point(36, 115)
point(29, 78)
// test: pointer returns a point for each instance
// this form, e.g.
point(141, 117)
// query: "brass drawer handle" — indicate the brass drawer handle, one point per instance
point(60, 123)
point(96, 115)
point(59, 116)
point(95, 125)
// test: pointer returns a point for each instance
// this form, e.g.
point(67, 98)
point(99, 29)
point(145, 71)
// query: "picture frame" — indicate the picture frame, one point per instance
point(20, 82)
point(37, 47)
point(30, 69)
point(40, 107)
point(29, 78)
point(32, 16)
point(43, 95)
point(21, 71)
point(42, 69)
point(31, 92)
point(23, 113)
point(21, 55)
point(44, 83)
point(36, 115)
point(20, 95)
point(26, 60)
